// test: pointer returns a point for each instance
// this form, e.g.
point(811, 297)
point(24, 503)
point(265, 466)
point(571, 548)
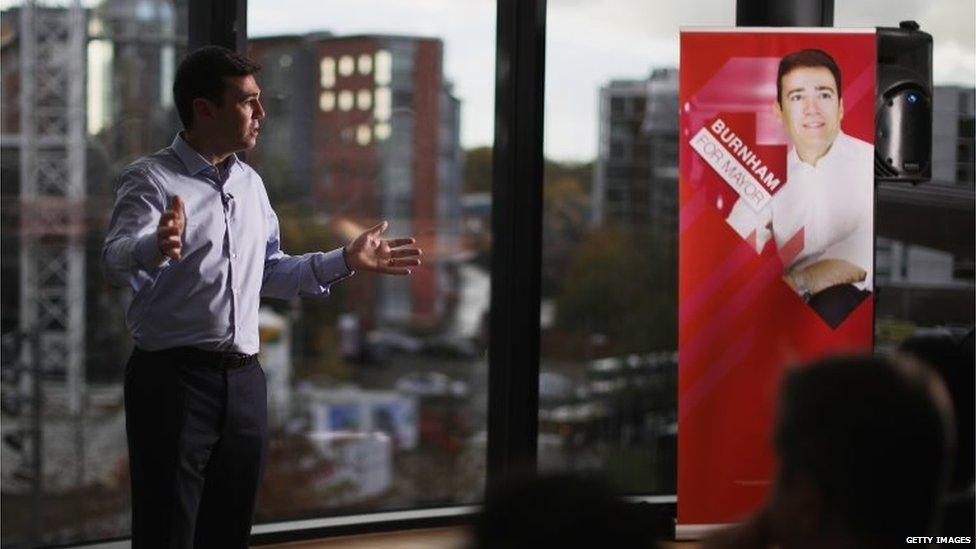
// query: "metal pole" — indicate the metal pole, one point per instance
point(37, 447)
point(784, 13)
point(517, 172)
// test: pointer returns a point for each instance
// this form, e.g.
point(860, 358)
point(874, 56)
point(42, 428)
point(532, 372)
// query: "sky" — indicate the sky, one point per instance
point(588, 43)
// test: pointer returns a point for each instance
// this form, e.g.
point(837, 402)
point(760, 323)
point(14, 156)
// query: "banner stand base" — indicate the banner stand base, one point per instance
point(695, 532)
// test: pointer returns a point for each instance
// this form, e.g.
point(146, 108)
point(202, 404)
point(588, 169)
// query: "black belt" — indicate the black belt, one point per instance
point(225, 360)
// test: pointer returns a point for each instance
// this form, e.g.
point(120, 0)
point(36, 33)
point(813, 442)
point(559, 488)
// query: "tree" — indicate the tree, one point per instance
point(621, 284)
point(317, 354)
point(476, 173)
point(285, 188)
point(564, 224)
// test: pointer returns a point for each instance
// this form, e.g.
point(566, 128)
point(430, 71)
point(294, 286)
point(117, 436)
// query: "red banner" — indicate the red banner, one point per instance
point(776, 241)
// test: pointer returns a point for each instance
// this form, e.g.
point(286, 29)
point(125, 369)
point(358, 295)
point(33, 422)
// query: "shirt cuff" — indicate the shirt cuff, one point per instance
point(330, 267)
point(146, 253)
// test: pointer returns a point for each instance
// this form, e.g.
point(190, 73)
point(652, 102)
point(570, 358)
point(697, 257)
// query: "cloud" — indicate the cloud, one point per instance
point(952, 24)
point(629, 19)
point(589, 43)
point(466, 27)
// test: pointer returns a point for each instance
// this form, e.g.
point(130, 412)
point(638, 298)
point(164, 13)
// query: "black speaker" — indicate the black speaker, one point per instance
point(903, 115)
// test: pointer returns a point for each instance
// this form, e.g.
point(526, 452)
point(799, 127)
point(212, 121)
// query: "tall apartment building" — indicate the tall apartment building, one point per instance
point(953, 142)
point(365, 128)
point(924, 250)
point(636, 173)
point(661, 129)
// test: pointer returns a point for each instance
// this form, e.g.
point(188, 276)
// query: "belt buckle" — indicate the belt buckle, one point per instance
point(231, 361)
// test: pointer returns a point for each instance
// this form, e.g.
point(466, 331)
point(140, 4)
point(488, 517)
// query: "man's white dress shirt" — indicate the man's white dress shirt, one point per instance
point(832, 202)
point(231, 255)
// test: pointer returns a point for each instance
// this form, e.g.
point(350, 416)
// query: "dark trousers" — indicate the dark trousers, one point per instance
point(197, 433)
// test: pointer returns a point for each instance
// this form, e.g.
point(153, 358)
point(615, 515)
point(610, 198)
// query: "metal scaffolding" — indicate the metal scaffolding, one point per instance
point(52, 201)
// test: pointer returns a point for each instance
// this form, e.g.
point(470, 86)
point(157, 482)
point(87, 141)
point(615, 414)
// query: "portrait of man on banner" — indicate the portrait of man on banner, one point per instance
point(821, 218)
point(776, 261)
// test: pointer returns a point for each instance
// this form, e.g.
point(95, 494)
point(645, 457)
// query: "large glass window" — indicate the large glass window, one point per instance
point(383, 111)
point(609, 307)
point(86, 90)
point(925, 248)
point(608, 372)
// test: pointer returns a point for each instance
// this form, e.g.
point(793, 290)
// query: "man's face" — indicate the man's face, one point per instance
point(236, 121)
point(811, 110)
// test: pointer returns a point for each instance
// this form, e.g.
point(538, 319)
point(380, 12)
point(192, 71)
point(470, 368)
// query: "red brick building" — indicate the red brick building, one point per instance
point(365, 128)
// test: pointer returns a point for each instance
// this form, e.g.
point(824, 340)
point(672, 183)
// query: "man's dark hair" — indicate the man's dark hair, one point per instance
point(873, 437)
point(805, 58)
point(202, 73)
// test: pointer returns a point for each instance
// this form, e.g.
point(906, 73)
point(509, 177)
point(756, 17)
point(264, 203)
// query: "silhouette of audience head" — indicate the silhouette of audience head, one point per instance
point(561, 511)
point(863, 444)
point(952, 358)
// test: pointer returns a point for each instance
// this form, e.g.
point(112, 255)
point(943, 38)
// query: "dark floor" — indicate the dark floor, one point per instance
point(435, 538)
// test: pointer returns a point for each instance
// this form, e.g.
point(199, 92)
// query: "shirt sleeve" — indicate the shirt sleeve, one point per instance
point(309, 275)
point(752, 226)
point(130, 255)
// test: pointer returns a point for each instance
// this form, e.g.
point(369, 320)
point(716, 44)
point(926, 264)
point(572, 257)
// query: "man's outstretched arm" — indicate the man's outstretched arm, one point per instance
point(287, 276)
point(371, 252)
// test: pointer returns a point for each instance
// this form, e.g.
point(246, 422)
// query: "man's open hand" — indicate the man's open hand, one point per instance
point(169, 233)
point(370, 252)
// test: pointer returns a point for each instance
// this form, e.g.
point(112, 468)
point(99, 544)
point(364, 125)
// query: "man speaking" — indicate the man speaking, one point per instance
point(194, 236)
point(821, 220)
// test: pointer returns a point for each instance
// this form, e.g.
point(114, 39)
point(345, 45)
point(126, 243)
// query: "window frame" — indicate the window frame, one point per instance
point(516, 256)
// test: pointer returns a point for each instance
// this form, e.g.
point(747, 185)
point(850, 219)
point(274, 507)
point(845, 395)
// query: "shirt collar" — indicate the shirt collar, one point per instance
point(793, 158)
point(192, 160)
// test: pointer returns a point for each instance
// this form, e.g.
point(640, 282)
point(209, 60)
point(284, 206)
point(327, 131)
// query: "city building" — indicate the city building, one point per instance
point(364, 128)
point(635, 180)
point(953, 129)
point(661, 129)
point(924, 251)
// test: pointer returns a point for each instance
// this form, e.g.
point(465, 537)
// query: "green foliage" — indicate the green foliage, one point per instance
point(564, 223)
point(582, 173)
point(301, 232)
point(285, 189)
point(318, 359)
point(622, 284)
point(618, 282)
point(566, 197)
point(476, 172)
